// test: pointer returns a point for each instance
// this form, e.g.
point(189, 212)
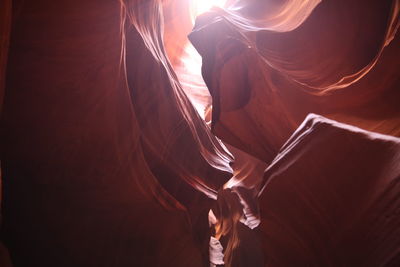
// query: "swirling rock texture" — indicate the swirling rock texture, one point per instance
point(106, 162)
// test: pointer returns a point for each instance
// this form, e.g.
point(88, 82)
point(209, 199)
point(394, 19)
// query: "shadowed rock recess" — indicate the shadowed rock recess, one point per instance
point(257, 133)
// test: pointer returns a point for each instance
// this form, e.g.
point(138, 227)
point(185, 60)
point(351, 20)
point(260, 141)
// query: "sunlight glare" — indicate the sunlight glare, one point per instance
point(201, 6)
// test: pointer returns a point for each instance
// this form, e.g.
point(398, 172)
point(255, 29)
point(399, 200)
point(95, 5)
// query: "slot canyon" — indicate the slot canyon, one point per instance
point(199, 133)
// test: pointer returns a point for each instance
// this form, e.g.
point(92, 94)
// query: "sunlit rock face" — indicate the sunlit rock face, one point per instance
point(123, 147)
point(266, 75)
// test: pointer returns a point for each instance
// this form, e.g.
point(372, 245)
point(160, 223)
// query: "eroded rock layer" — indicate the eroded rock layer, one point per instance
point(107, 162)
